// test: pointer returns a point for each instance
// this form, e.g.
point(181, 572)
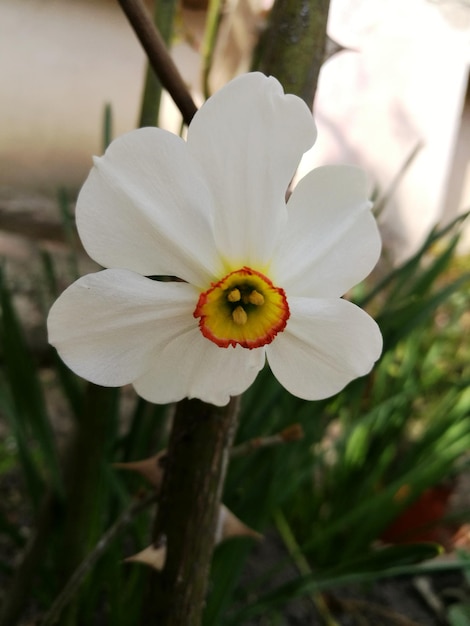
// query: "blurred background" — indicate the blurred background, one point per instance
point(377, 476)
point(400, 85)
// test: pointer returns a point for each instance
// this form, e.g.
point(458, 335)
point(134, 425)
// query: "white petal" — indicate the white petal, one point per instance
point(326, 344)
point(144, 207)
point(192, 366)
point(248, 139)
point(108, 326)
point(331, 240)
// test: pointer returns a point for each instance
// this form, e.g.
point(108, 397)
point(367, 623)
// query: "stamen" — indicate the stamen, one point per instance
point(234, 295)
point(239, 316)
point(256, 298)
point(244, 308)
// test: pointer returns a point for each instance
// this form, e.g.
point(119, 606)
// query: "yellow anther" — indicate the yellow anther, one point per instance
point(256, 298)
point(243, 308)
point(239, 316)
point(234, 295)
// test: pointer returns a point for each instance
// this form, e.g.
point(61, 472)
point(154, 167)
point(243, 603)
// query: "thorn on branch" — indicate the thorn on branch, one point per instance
point(294, 432)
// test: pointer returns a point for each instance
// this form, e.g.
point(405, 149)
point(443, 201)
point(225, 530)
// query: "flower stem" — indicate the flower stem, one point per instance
point(189, 501)
point(158, 56)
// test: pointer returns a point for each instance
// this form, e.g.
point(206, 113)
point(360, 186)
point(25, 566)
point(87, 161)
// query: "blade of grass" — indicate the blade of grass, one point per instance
point(26, 390)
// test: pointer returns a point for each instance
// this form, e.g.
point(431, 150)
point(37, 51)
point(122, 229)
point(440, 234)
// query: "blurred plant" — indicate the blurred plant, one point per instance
point(331, 497)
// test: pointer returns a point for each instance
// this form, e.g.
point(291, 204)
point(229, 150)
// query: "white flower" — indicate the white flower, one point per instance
point(258, 278)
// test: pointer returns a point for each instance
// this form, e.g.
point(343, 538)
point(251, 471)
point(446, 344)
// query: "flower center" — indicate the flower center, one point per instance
point(243, 308)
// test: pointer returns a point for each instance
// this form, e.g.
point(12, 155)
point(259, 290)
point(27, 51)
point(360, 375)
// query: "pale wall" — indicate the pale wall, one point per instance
point(60, 62)
point(404, 85)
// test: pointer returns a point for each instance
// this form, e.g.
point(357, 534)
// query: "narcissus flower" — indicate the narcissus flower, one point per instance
point(258, 278)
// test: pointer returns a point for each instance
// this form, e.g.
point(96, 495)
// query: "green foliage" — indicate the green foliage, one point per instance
point(459, 615)
point(23, 403)
point(399, 431)
point(365, 456)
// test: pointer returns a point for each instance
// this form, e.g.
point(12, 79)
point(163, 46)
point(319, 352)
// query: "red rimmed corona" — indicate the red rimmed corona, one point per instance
point(243, 308)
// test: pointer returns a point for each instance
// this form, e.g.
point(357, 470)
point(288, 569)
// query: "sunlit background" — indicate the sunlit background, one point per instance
point(400, 85)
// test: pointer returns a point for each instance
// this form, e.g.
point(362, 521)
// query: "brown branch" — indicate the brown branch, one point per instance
point(158, 56)
point(291, 433)
point(190, 497)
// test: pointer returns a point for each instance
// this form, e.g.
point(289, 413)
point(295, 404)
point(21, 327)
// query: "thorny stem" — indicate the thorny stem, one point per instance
point(190, 497)
point(158, 56)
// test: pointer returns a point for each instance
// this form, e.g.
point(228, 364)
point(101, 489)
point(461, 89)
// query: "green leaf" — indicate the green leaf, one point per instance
point(29, 414)
point(303, 585)
point(459, 615)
